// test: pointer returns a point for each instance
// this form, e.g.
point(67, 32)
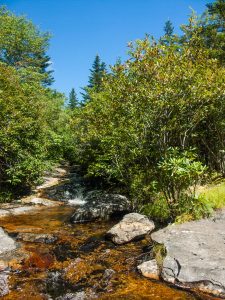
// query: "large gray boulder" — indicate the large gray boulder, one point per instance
point(195, 254)
point(6, 242)
point(132, 226)
point(100, 205)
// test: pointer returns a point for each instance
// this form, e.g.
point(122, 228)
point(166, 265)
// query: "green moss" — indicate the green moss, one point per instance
point(159, 253)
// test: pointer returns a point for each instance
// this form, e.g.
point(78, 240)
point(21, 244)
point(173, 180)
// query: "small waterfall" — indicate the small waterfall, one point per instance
point(92, 205)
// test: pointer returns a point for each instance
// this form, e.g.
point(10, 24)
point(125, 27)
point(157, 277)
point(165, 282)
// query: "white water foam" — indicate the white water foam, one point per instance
point(77, 201)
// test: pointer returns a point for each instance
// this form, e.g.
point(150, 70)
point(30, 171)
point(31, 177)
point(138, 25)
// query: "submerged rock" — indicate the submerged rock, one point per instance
point(108, 274)
point(102, 206)
point(71, 296)
point(149, 269)
point(133, 226)
point(91, 244)
point(78, 296)
point(195, 254)
point(6, 242)
point(37, 238)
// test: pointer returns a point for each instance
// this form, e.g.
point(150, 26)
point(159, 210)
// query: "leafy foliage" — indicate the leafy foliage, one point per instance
point(156, 101)
point(32, 118)
point(178, 176)
point(22, 45)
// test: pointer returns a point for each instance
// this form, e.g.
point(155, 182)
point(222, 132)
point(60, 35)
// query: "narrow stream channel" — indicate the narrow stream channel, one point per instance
point(78, 263)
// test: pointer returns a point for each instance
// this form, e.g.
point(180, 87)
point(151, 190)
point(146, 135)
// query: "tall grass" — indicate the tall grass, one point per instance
point(214, 195)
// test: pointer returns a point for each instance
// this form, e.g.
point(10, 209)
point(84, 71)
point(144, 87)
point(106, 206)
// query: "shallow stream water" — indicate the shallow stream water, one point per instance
point(80, 264)
point(78, 261)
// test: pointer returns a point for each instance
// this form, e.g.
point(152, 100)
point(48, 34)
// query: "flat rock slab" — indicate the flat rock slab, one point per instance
point(40, 201)
point(21, 210)
point(132, 226)
point(6, 242)
point(195, 253)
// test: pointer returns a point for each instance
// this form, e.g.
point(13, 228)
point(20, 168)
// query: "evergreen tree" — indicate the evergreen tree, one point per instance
point(218, 8)
point(97, 71)
point(168, 36)
point(73, 101)
point(168, 28)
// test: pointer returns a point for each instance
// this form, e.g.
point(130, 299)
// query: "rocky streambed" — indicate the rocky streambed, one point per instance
point(43, 255)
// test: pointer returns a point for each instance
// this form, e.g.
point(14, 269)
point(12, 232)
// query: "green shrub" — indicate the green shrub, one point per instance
point(158, 210)
point(178, 175)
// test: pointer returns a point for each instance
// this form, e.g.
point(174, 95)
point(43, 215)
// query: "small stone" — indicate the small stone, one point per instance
point(6, 242)
point(149, 269)
point(108, 274)
point(4, 288)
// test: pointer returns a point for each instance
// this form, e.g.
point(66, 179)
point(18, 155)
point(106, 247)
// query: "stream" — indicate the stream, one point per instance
point(75, 261)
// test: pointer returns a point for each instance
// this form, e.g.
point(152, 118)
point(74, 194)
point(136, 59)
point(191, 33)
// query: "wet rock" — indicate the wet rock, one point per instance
point(52, 179)
point(70, 296)
point(4, 288)
point(6, 242)
point(56, 285)
point(21, 210)
point(78, 296)
point(40, 201)
point(195, 254)
point(108, 274)
point(67, 191)
point(37, 238)
point(133, 226)
point(3, 265)
point(4, 212)
point(149, 269)
point(102, 206)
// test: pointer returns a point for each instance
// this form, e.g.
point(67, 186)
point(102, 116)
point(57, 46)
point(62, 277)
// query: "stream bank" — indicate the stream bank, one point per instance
point(55, 259)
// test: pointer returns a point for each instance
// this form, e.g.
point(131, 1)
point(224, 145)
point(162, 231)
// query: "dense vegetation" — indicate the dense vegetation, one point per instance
point(157, 126)
point(31, 114)
point(153, 125)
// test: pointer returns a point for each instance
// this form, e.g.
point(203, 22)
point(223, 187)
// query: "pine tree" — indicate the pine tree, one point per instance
point(97, 71)
point(168, 28)
point(168, 37)
point(73, 102)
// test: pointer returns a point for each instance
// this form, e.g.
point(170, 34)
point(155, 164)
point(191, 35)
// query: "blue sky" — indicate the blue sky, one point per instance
point(82, 28)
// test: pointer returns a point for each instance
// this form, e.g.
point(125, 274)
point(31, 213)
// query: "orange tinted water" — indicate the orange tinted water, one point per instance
point(81, 255)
